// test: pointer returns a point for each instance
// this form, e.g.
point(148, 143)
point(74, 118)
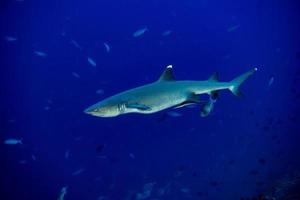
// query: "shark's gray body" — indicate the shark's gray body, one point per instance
point(162, 94)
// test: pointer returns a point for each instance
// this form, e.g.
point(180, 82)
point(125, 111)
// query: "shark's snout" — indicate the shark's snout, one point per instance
point(101, 110)
point(90, 110)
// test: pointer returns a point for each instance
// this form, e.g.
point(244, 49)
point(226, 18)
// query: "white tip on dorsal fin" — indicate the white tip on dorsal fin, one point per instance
point(167, 75)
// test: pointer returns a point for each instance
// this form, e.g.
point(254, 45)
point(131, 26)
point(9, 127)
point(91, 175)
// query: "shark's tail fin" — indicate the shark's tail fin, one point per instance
point(235, 83)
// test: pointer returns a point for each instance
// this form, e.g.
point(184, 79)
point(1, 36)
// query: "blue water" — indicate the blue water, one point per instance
point(239, 151)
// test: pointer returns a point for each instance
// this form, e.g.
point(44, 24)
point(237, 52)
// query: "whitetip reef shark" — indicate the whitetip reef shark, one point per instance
point(164, 93)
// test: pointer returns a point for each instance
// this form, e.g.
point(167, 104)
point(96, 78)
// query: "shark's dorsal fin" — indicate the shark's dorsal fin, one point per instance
point(214, 77)
point(167, 75)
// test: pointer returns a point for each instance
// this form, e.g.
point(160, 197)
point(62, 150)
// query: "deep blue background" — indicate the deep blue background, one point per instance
point(218, 157)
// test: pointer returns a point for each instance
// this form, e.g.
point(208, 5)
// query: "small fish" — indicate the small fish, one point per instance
point(63, 33)
point(140, 32)
point(131, 155)
point(11, 120)
point(78, 138)
point(174, 114)
point(47, 108)
point(233, 28)
point(166, 33)
point(77, 172)
point(100, 91)
point(146, 191)
point(185, 190)
point(62, 193)
point(107, 47)
point(271, 80)
point(40, 54)
point(92, 62)
point(67, 154)
point(75, 44)
point(23, 162)
point(49, 101)
point(75, 75)
point(13, 141)
point(10, 39)
point(33, 157)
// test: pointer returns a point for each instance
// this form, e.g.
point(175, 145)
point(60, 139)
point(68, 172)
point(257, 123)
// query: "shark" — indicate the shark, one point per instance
point(164, 93)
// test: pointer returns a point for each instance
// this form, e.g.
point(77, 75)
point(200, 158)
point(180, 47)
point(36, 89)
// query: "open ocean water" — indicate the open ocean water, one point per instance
point(58, 57)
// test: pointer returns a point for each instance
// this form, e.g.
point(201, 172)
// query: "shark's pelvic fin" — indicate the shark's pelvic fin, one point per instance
point(214, 77)
point(138, 106)
point(207, 108)
point(236, 83)
point(167, 75)
point(214, 95)
point(183, 104)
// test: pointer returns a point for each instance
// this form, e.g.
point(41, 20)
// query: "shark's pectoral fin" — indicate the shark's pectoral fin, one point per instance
point(191, 100)
point(183, 104)
point(138, 106)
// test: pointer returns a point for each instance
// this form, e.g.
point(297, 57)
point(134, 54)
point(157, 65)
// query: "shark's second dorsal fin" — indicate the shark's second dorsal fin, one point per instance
point(214, 77)
point(167, 75)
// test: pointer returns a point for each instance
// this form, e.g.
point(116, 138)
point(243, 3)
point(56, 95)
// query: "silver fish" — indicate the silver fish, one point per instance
point(11, 39)
point(62, 193)
point(271, 80)
point(92, 62)
point(166, 33)
point(140, 32)
point(107, 47)
point(77, 172)
point(13, 141)
point(40, 53)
